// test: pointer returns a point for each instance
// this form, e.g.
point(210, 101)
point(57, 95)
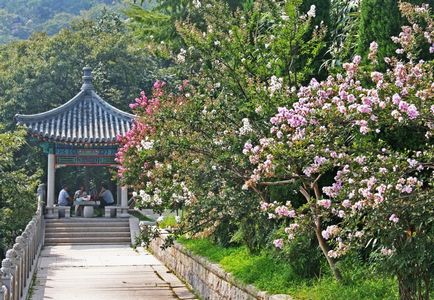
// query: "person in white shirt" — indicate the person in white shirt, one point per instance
point(64, 199)
point(80, 193)
point(79, 196)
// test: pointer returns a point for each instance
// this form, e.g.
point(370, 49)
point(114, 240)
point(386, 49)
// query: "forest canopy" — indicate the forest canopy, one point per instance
point(20, 18)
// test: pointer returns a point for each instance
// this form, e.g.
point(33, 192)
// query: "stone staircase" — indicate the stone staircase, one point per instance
point(82, 231)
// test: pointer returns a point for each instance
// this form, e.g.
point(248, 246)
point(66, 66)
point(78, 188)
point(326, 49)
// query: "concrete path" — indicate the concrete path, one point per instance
point(100, 272)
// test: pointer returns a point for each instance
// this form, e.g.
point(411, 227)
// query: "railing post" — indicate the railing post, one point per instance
point(42, 194)
point(20, 268)
point(2, 288)
point(6, 269)
point(22, 245)
point(12, 255)
point(25, 238)
point(31, 241)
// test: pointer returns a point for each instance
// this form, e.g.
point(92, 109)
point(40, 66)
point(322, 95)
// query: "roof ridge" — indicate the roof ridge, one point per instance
point(108, 105)
point(86, 118)
point(55, 110)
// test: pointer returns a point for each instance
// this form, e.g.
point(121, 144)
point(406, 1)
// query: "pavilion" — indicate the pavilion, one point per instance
point(81, 132)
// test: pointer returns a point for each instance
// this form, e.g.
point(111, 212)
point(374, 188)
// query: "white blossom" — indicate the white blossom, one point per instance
point(312, 11)
point(197, 3)
point(246, 128)
point(276, 84)
point(180, 58)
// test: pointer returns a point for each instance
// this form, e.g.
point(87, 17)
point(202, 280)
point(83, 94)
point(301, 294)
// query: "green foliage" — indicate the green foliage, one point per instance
point(169, 221)
point(379, 20)
point(309, 264)
point(270, 274)
point(343, 32)
point(155, 22)
point(19, 19)
point(17, 191)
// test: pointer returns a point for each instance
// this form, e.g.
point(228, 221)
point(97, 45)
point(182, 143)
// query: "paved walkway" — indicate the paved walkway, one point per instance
point(104, 272)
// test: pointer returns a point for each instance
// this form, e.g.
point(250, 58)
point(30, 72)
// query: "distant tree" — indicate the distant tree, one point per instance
point(44, 72)
point(379, 20)
point(20, 18)
point(17, 191)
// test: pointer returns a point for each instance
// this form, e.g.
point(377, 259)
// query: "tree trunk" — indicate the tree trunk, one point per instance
point(325, 249)
point(318, 232)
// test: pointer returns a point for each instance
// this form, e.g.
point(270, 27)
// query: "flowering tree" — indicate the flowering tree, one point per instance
point(236, 68)
point(129, 156)
point(347, 128)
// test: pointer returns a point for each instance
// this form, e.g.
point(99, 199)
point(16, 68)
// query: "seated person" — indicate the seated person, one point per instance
point(106, 195)
point(80, 193)
point(64, 199)
point(79, 196)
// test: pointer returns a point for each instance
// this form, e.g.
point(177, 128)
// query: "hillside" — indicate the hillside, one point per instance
point(20, 18)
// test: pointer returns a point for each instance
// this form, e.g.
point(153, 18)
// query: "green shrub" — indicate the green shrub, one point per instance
point(304, 256)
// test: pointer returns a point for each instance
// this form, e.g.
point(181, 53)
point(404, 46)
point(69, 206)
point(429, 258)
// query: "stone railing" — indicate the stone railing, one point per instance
point(19, 265)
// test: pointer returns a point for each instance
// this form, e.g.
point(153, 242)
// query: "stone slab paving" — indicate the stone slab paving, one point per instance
point(100, 272)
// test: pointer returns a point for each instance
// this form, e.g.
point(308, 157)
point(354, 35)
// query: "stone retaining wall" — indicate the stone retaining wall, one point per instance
point(207, 279)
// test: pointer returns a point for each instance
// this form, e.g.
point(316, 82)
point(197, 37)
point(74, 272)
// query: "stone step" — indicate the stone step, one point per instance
point(87, 240)
point(86, 224)
point(79, 220)
point(86, 229)
point(86, 234)
point(86, 243)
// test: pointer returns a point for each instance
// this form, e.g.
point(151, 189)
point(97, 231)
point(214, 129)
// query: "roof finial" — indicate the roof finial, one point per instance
point(87, 79)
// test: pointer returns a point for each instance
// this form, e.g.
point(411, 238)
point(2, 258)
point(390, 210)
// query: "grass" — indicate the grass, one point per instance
point(272, 275)
point(139, 216)
point(33, 284)
point(168, 221)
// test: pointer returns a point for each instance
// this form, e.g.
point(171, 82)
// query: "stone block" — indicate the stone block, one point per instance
point(88, 211)
point(110, 211)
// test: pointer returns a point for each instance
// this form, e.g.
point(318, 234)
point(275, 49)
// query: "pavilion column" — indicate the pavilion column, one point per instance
point(118, 194)
point(50, 185)
point(124, 202)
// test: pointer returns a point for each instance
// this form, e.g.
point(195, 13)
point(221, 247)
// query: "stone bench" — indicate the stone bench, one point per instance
point(116, 212)
point(62, 212)
point(110, 211)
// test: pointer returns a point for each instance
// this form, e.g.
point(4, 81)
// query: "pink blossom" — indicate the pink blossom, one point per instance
point(396, 99)
point(393, 218)
point(330, 232)
point(264, 206)
point(326, 203)
point(346, 203)
point(412, 112)
point(386, 251)
point(278, 243)
point(373, 49)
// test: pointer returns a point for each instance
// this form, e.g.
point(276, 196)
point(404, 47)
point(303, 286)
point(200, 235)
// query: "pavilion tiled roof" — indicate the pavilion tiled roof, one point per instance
point(84, 119)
